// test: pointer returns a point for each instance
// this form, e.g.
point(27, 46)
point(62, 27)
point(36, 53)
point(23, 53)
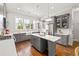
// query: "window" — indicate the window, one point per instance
point(19, 23)
point(36, 25)
point(28, 24)
point(23, 23)
point(1, 22)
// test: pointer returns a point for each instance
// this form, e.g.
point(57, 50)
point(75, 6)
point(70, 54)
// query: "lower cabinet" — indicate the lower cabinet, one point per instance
point(51, 48)
point(5, 37)
point(64, 39)
point(21, 37)
point(39, 43)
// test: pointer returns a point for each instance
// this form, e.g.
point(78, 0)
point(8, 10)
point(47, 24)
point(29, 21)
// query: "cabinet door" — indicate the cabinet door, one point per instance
point(64, 39)
point(16, 37)
point(43, 45)
point(21, 37)
point(39, 43)
point(32, 40)
point(51, 48)
point(60, 40)
point(36, 42)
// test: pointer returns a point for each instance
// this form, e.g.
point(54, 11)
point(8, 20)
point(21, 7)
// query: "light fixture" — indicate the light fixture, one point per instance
point(1, 4)
point(18, 8)
point(77, 9)
point(52, 7)
point(4, 10)
point(48, 19)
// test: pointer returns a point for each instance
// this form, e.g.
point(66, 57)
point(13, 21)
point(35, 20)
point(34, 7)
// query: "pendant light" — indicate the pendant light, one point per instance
point(4, 15)
point(48, 18)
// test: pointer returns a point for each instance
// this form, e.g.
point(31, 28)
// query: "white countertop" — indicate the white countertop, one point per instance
point(62, 33)
point(48, 37)
point(10, 34)
point(7, 48)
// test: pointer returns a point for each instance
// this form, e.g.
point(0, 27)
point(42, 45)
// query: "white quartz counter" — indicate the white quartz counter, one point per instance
point(62, 33)
point(7, 48)
point(48, 37)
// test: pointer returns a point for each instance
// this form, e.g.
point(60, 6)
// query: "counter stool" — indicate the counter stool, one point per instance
point(77, 51)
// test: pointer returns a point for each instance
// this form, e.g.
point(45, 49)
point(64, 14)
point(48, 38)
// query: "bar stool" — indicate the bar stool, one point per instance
point(77, 51)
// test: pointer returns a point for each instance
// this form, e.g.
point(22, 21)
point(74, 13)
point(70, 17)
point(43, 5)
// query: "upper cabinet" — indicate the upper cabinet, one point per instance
point(62, 21)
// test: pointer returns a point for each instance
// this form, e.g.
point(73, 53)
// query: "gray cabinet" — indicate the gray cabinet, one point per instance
point(51, 48)
point(64, 39)
point(21, 37)
point(39, 43)
point(5, 37)
point(62, 21)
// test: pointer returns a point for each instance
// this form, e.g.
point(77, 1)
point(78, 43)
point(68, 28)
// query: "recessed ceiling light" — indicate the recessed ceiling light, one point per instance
point(52, 7)
point(77, 8)
point(1, 4)
point(48, 19)
point(37, 6)
point(18, 8)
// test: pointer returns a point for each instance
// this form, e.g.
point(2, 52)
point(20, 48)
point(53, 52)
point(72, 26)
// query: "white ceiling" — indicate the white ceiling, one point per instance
point(32, 9)
point(39, 9)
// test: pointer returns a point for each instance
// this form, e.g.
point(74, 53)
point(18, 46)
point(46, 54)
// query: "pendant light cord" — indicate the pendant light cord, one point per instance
point(48, 10)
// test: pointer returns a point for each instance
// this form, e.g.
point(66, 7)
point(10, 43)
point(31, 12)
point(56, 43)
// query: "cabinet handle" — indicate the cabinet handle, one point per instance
point(14, 38)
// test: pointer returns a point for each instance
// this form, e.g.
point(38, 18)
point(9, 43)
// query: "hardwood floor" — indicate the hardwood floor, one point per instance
point(66, 51)
point(60, 49)
point(37, 53)
point(21, 45)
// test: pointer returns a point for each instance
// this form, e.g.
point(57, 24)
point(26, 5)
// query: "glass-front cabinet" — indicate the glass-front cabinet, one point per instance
point(62, 21)
point(61, 25)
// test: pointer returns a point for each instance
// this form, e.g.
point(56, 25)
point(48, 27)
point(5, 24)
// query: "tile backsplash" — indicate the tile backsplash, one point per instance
point(65, 31)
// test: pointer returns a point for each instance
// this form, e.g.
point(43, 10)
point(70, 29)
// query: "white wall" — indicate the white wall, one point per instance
point(11, 20)
point(75, 24)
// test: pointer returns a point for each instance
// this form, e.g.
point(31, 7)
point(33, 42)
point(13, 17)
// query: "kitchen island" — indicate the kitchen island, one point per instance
point(42, 42)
